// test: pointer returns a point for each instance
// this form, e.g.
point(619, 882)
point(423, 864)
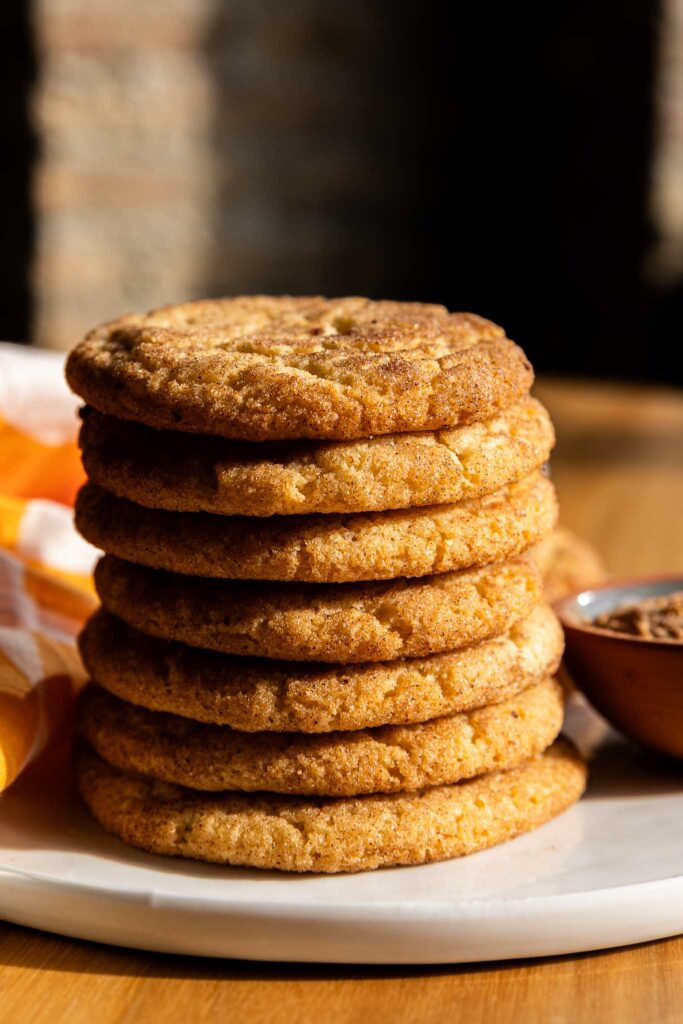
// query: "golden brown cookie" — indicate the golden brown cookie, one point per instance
point(323, 549)
point(315, 834)
point(567, 563)
point(185, 473)
point(338, 622)
point(390, 759)
point(257, 695)
point(260, 368)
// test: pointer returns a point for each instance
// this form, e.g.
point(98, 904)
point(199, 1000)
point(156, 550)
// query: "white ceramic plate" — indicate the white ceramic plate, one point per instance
point(609, 872)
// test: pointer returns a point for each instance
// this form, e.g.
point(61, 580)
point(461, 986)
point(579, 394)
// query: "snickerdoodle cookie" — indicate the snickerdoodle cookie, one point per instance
point(257, 695)
point(389, 759)
point(567, 563)
point(339, 622)
point(261, 368)
point(186, 473)
point(317, 834)
point(323, 548)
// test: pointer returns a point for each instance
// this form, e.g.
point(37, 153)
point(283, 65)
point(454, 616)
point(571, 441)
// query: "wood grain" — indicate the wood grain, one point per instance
point(619, 471)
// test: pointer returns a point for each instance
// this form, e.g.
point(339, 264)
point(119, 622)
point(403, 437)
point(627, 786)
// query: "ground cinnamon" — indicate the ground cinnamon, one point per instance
point(656, 618)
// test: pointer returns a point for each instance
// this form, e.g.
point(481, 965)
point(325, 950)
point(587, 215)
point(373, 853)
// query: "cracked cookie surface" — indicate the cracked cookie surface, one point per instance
point(390, 759)
point(324, 548)
point(262, 368)
point(343, 622)
point(256, 695)
point(185, 473)
point(349, 834)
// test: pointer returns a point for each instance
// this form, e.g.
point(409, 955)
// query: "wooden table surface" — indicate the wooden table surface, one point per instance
point(619, 472)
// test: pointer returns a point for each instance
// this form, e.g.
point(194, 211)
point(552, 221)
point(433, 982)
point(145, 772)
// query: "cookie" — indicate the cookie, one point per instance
point(185, 473)
point(338, 622)
point(390, 759)
point(314, 834)
point(323, 548)
point(256, 695)
point(567, 563)
point(259, 368)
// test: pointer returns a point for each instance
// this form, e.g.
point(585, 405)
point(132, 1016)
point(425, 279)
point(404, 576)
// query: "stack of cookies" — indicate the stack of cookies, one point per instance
point(321, 645)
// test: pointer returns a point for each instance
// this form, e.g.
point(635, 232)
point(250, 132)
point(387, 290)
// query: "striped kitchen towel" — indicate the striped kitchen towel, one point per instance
point(45, 582)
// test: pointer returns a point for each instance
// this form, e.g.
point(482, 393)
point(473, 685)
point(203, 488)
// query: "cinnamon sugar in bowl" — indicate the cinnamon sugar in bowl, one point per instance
point(625, 651)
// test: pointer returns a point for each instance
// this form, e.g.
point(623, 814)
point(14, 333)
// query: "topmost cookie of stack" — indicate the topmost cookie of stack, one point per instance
point(260, 368)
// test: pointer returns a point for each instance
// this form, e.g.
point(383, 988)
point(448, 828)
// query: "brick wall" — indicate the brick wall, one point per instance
point(198, 147)
point(126, 180)
point(665, 262)
point(217, 146)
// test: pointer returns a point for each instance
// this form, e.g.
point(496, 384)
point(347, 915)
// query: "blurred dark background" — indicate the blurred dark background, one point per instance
point(522, 162)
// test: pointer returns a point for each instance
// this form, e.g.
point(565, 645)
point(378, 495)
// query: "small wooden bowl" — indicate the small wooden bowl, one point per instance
point(637, 684)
